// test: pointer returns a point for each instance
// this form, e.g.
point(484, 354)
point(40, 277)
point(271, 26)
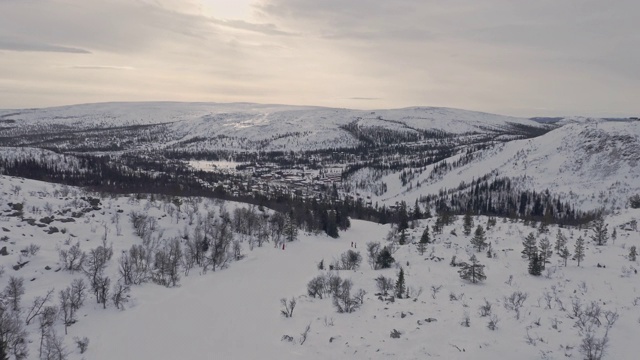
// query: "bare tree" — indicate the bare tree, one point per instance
point(37, 307)
point(45, 321)
point(13, 336)
point(317, 287)
point(95, 264)
point(373, 250)
point(167, 264)
point(221, 238)
point(342, 299)
point(14, 291)
point(384, 285)
point(350, 260)
point(120, 294)
point(135, 265)
point(72, 259)
point(54, 348)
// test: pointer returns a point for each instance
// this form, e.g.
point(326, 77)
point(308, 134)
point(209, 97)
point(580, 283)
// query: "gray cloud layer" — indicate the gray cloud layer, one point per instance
point(517, 57)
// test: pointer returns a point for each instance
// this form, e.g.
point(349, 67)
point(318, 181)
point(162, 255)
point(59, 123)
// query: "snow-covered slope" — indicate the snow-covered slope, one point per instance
point(243, 126)
point(593, 164)
point(234, 313)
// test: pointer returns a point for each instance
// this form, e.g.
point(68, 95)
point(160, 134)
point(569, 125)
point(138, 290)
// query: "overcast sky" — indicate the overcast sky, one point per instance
point(514, 57)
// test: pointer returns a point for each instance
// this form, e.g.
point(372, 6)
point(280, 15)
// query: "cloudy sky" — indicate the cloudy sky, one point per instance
point(515, 57)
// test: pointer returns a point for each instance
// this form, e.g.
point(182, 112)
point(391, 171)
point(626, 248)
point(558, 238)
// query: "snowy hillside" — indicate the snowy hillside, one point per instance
point(235, 312)
point(592, 164)
point(243, 126)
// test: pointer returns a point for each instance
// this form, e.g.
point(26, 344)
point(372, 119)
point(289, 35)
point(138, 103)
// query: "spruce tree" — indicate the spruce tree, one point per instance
point(530, 246)
point(633, 253)
point(467, 223)
point(545, 252)
point(403, 217)
point(479, 240)
point(401, 288)
point(565, 254)
point(290, 229)
point(424, 240)
point(417, 214)
point(535, 264)
point(332, 224)
point(561, 242)
point(384, 260)
point(614, 235)
point(403, 237)
point(473, 272)
point(600, 231)
point(579, 250)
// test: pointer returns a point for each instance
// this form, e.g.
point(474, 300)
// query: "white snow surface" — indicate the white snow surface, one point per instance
point(234, 313)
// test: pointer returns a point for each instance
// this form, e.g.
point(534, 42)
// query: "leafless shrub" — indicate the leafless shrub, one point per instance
point(485, 309)
point(435, 290)
point(287, 311)
point(83, 344)
point(493, 322)
point(592, 347)
point(305, 334)
point(515, 302)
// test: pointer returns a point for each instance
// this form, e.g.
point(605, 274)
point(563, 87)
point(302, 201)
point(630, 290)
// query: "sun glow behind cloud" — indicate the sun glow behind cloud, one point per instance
point(227, 9)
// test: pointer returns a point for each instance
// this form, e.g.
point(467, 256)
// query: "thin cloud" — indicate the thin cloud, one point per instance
point(39, 47)
point(266, 29)
point(101, 67)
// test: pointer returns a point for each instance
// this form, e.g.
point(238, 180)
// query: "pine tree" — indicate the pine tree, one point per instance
point(467, 223)
point(579, 250)
point(600, 231)
point(561, 242)
point(491, 222)
point(530, 246)
point(417, 214)
point(401, 288)
point(473, 272)
point(535, 264)
point(290, 229)
point(384, 260)
point(403, 217)
point(479, 240)
point(565, 254)
point(633, 253)
point(545, 252)
point(332, 224)
point(424, 240)
point(614, 235)
point(403, 237)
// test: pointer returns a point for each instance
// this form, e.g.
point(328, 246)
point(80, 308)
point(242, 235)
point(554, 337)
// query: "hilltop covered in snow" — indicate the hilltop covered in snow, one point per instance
point(243, 126)
point(592, 164)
